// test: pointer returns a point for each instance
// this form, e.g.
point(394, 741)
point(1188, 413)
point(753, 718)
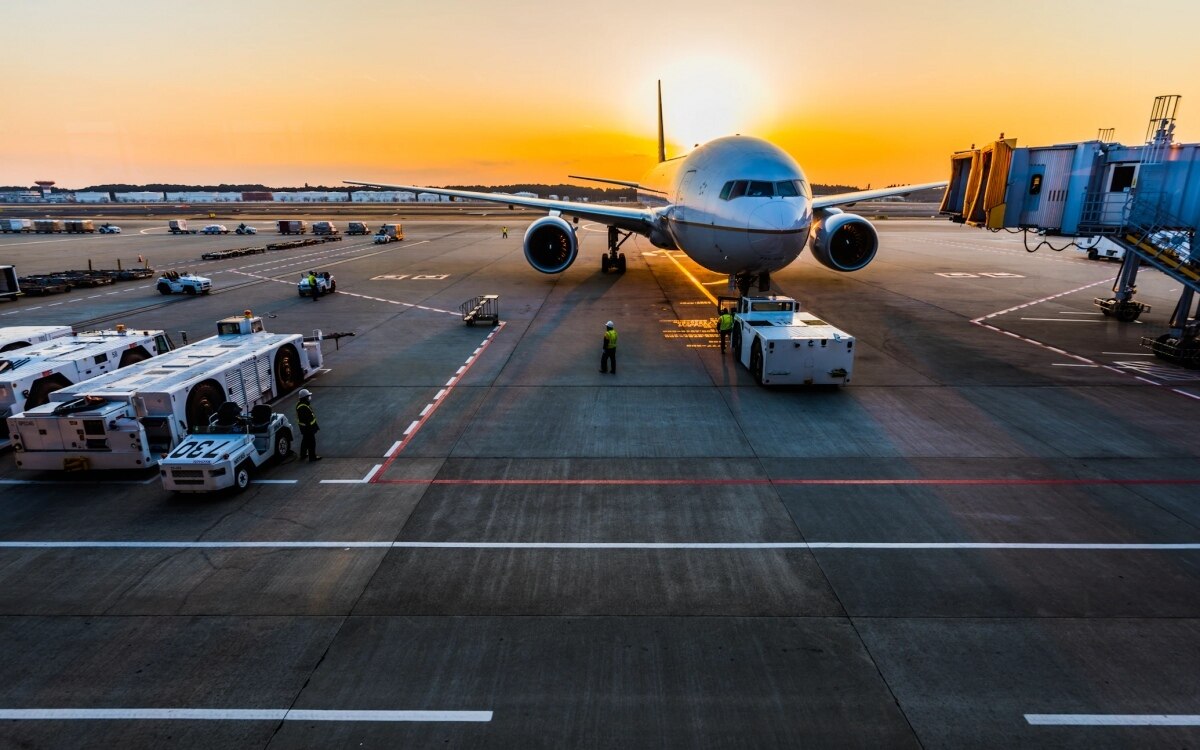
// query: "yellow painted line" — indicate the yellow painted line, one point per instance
point(692, 278)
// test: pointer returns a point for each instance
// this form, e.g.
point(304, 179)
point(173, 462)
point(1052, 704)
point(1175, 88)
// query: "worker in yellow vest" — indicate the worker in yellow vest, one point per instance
point(724, 326)
point(609, 354)
point(307, 419)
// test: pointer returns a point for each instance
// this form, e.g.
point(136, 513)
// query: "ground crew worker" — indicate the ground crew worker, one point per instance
point(307, 419)
point(609, 353)
point(724, 326)
point(312, 285)
point(504, 232)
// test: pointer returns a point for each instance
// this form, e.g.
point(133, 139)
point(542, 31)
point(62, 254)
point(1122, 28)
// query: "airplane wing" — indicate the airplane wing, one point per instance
point(638, 220)
point(842, 199)
point(608, 181)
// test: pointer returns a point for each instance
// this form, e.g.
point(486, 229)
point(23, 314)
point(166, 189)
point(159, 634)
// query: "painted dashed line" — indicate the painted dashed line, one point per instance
point(352, 294)
point(433, 406)
point(1039, 301)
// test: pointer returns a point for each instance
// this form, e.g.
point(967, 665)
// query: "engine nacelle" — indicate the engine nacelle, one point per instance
point(550, 244)
point(843, 242)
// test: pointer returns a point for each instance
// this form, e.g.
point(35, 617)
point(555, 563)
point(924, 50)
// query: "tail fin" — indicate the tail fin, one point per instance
point(662, 145)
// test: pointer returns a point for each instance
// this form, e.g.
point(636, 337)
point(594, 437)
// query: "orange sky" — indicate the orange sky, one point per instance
point(285, 93)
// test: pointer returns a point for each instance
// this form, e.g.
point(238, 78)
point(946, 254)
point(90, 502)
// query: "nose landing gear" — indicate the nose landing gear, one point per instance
point(745, 280)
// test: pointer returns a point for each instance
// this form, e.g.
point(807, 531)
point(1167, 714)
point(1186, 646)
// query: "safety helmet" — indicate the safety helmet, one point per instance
point(609, 324)
point(304, 393)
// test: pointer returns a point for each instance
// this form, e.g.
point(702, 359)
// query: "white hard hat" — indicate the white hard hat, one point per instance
point(609, 324)
point(304, 393)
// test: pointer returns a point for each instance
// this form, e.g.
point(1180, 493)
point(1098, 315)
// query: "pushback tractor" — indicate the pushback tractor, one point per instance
point(130, 418)
point(780, 345)
point(29, 376)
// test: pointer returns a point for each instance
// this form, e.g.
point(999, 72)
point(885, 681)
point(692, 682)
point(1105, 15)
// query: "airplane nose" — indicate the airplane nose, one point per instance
point(768, 223)
point(772, 216)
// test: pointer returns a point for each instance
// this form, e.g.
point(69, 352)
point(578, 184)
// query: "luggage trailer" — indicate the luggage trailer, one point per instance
point(130, 418)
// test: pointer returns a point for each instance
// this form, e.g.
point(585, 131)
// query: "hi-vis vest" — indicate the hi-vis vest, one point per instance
point(305, 415)
point(725, 322)
point(610, 338)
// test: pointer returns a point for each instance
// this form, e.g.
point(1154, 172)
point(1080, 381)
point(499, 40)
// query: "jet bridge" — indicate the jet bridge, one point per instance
point(1145, 198)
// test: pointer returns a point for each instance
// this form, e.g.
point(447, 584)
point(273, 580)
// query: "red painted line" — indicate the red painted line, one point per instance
point(429, 412)
point(825, 482)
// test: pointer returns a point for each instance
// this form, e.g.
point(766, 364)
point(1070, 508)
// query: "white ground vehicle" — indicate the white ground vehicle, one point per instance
point(222, 453)
point(357, 227)
point(109, 229)
point(174, 282)
point(325, 228)
point(19, 226)
point(1101, 247)
point(215, 229)
point(179, 226)
point(16, 337)
point(389, 233)
point(781, 345)
point(29, 375)
point(245, 229)
point(325, 284)
point(129, 418)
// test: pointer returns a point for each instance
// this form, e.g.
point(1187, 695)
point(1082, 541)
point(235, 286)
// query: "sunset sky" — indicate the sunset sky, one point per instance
point(448, 91)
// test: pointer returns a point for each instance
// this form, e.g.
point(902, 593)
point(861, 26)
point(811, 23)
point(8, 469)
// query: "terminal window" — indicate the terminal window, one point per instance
point(1122, 179)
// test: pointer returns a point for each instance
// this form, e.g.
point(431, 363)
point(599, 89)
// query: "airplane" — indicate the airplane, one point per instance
point(735, 205)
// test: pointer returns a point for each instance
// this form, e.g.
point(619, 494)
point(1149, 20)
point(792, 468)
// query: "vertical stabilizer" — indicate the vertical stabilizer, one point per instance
point(662, 144)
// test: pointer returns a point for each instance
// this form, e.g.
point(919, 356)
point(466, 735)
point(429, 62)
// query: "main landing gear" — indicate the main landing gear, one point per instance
point(745, 280)
point(614, 261)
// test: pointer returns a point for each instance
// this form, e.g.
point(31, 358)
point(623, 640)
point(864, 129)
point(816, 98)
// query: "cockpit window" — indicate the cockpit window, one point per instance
point(763, 189)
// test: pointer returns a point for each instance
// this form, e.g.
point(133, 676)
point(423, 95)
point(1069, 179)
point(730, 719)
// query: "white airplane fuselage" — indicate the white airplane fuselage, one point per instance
point(762, 230)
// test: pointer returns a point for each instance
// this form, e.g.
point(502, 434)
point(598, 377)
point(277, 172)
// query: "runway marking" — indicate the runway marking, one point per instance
point(364, 480)
point(814, 482)
point(1130, 354)
point(1039, 301)
point(1185, 393)
point(431, 409)
point(45, 242)
point(348, 545)
point(1069, 320)
point(1070, 364)
point(78, 484)
point(1114, 720)
point(693, 279)
point(392, 450)
point(274, 481)
point(236, 714)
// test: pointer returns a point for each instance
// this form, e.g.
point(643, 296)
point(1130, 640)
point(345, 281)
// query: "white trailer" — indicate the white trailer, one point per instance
point(29, 375)
point(781, 345)
point(17, 337)
point(130, 418)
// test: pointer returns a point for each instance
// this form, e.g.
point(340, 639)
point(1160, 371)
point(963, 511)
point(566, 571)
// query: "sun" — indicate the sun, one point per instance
point(710, 97)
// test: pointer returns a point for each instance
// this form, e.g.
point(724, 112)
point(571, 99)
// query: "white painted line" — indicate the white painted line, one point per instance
point(439, 395)
point(1070, 364)
point(450, 383)
point(319, 544)
point(1185, 393)
point(273, 481)
point(1114, 720)
point(1065, 320)
point(425, 410)
point(411, 427)
point(392, 450)
point(371, 473)
point(235, 714)
point(1077, 312)
point(341, 481)
point(1130, 354)
point(460, 370)
point(53, 304)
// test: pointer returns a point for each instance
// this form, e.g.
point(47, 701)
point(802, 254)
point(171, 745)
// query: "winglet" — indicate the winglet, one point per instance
point(662, 144)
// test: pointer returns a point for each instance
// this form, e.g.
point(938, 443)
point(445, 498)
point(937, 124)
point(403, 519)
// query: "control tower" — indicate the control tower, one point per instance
point(44, 186)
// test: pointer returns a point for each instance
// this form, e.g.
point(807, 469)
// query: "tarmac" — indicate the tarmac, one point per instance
point(989, 538)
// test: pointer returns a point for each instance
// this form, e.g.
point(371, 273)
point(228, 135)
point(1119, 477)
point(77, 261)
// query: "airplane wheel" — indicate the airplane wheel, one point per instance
point(604, 263)
point(621, 263)
point(735, 342)
point(756, 362)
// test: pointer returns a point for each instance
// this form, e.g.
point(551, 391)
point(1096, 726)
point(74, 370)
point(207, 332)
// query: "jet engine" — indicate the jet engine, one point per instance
point(550, 244)
point(842, 241)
